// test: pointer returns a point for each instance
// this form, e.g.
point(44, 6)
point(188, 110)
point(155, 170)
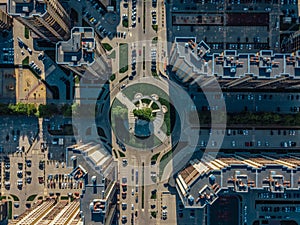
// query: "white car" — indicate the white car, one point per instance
point(233, 143)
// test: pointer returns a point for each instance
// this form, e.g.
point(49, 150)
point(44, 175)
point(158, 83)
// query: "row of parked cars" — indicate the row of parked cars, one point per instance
point(35, 67)
point(133, 64)
point(153, 60)
point(133, 16)
point(153, 13)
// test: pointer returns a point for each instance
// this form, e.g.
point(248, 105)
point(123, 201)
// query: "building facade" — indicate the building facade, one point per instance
point(192, 62)
point(82, 53)
point(5, 20)
point(48, 19)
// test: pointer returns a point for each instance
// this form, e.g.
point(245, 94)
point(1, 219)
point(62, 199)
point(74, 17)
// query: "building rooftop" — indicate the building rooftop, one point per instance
point(93, 164)
point(51, 212)
point(199, 183)
point(27, 8)
point(194, 60)
point(79, 49)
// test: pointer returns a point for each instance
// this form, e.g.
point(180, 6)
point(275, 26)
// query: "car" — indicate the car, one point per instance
point(28, 163)
point(7, 165)
point(29, 50)
point(202, 144)
point(132, 206)
point(124, 219)
point(133, 66)
point(124, 205)
point(229, 132)
point(233, 143)
point(292, 132)
point(99, 27)
point(41, 165)
point(6, 175)
point(284, 144)
point(28, 180)
point(213, 143)
point(20, 166)
point(258, 143)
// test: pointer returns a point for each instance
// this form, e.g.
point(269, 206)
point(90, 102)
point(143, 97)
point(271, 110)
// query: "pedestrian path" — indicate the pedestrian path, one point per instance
point(130, 106)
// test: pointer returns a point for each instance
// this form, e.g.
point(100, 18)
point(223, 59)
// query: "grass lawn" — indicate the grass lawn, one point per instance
point(112, 55)
point(112, 77)
point(154, 40)
point(153, 214)
point(121, 154)
point(155, 27)
point(77, 79)
point(154, 74)
point(153, 196)
point(164, 161)
point(9, 210)
point(26, 32)
point(123, 57)
point(15, 198)
point(25, 61)
point(107, 46)
point(125, 23)
point(154, 157)
point(31, 198)
point(148, 89)
point(64, 198)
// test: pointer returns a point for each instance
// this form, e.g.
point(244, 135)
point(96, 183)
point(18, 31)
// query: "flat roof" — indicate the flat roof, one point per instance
point(27, 8)
point(230, 63)
point(201, 180)
point(79, 49)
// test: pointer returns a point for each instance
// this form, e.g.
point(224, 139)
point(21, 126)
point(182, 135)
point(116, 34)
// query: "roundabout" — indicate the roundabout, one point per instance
point(141, 116)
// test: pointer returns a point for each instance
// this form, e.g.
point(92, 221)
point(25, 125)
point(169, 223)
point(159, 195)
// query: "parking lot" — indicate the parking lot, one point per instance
point(97, 16)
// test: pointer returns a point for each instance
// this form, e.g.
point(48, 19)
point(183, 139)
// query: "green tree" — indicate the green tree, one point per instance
point(23, 108)
point(47, 110)
point(144, 113)
point(66, 110)
point(119, 111)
